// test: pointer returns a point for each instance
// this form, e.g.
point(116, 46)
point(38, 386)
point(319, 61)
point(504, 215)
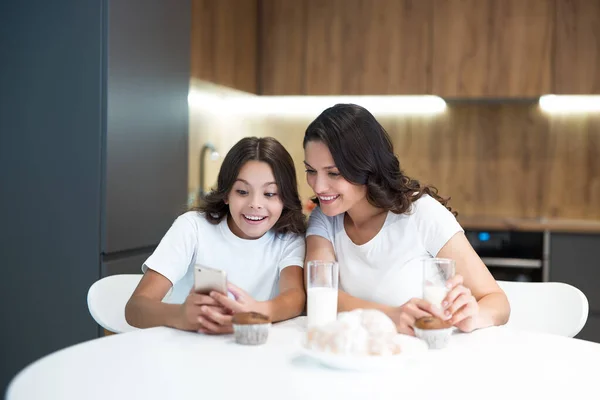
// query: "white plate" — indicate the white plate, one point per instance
point(410, 346)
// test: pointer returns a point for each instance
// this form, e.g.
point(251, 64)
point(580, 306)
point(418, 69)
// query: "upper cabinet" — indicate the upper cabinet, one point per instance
point(283, 47)
point(492, 48)
point(368, 47)
point(451, 48)
point(223, 42)
point(577, 55)
point(320, 47)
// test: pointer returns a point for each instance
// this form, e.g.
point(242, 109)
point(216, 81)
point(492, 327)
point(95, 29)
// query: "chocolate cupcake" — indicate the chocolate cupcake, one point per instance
point(251, 328)
point(434, 331)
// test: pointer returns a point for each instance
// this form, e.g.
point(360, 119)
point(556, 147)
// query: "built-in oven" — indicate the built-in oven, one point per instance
point(512, 255)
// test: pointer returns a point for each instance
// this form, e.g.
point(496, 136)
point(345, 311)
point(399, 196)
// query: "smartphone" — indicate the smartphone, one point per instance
point(208, 279)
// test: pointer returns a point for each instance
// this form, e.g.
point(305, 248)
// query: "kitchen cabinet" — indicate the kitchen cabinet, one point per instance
point(577, 55)
point(574, 260)
point(319, 47)
point(94, 165)
point(492, 48)
point(224, 42)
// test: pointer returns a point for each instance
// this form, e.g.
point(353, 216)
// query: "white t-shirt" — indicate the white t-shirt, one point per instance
point(388, 269)
point(253, 265)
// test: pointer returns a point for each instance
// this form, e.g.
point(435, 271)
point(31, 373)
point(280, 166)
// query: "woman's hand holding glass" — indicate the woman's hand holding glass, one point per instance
point(460, 306)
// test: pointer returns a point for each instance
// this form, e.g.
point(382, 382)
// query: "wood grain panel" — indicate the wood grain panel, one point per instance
point(487, 158)
point(577, 55)
point(492, 48)
point(367, 47)
point(223, 42)
point(572, 179)
point(496, 161)
point(282, 47)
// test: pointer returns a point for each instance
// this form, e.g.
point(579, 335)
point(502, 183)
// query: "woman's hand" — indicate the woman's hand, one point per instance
point(405, 316)
point(460, 305)
point(203, 314)
point(243, 301)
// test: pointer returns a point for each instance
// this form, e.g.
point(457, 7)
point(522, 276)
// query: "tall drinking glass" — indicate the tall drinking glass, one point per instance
point(436, 273)
point(322, 292)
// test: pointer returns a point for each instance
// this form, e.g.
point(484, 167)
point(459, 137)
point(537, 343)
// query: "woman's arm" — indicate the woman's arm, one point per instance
point(145, 308)
point(493, 305)
point(319, 248)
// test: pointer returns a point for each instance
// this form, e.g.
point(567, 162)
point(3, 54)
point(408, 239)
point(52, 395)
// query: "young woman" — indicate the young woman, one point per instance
point(379, 224)
point(250, 226)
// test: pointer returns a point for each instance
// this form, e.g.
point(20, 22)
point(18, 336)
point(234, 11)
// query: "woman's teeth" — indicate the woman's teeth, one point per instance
point(328, 198)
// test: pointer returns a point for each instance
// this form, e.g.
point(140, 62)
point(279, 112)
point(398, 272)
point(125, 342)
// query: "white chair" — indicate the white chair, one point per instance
point(107, 299)
point(550, 307)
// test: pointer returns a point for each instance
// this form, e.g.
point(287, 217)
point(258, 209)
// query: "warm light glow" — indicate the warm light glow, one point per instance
point(311, 106)
point(569, 104)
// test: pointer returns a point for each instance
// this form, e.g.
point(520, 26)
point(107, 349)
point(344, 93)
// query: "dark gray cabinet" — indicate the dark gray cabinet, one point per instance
point(574, 260)
point(93, 157)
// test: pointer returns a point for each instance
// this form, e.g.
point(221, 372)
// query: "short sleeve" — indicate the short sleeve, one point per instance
point(320, 225)
point(435, 223)
point(176, 250)
point(293, 252)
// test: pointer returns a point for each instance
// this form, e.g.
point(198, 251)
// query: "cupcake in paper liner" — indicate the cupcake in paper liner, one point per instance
point(434, 331)
point(251, 328)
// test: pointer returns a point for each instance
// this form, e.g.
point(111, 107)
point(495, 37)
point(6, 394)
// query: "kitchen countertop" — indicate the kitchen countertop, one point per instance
point(531, 224)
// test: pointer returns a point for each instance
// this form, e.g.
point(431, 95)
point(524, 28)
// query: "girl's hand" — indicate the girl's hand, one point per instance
point(203, 314)
point(243, 301)
point(405, 316)
point(460, 305)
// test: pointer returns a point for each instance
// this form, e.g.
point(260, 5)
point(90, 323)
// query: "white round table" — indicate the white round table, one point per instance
point(165, 364)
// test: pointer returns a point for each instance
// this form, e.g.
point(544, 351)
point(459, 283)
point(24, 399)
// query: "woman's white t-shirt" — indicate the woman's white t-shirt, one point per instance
point(253, 265)
point(388, 269)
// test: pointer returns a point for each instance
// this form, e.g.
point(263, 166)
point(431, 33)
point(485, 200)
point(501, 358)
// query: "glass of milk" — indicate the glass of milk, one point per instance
point(436, 272)
point(322, 292)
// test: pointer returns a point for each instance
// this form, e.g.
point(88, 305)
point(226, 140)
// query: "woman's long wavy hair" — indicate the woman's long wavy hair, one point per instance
point(267, 150)
point(363, 152)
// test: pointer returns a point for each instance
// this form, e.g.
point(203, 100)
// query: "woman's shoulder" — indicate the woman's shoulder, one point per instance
point(318, 214)
point(425, 205)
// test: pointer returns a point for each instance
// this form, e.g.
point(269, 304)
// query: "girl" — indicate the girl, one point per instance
point(252, 227)
point(379, 224)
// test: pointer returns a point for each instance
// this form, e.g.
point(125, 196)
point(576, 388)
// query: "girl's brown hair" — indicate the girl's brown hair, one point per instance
point(267, 150)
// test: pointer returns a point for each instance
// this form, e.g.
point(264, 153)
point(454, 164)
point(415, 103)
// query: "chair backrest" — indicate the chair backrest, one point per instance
point(550, 307)
point(107, 299)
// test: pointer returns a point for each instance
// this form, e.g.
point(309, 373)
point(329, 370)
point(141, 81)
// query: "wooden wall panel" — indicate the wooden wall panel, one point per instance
point(488, 158)
point(577, 55)
point(492, 48)
point(224, 42)
point(572, 173)
point(367, 47)
point(282, 47)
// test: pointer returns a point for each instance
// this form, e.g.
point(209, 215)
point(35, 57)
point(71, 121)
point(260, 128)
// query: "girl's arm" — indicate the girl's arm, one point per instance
point(145, 308)
point(291, 299)
point(288, 304)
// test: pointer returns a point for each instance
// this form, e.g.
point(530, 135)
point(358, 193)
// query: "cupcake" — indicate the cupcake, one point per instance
point(251, 328)
point(434, 331)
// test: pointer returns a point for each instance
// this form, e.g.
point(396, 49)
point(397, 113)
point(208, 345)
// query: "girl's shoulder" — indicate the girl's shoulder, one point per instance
point(196, 219)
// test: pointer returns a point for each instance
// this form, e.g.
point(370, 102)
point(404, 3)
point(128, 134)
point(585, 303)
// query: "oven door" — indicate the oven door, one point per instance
point(514, 269)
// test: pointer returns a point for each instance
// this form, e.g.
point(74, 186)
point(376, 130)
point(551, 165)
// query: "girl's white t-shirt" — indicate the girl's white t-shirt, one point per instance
point(388, 269)
point(253, 265)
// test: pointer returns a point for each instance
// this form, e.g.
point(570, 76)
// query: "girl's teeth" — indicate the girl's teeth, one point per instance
point(253, 218)
point(327, 198)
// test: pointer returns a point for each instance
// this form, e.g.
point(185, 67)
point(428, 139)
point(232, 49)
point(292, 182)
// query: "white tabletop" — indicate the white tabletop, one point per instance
point(163, 363)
